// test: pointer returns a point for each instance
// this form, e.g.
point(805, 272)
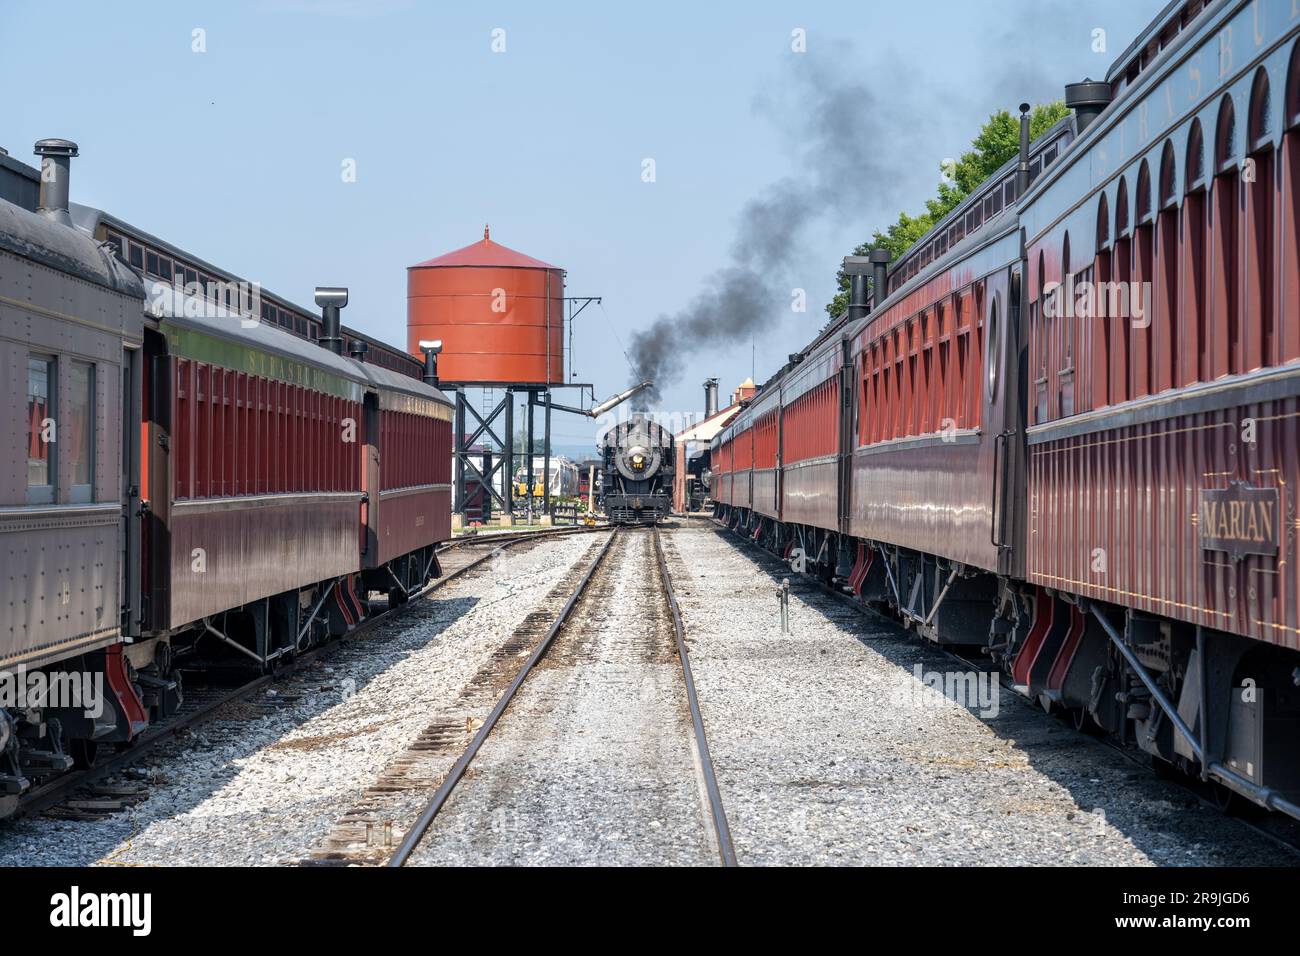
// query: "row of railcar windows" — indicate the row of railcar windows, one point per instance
point(155, 263)
point(240, 434)
point(151, 262)
point(810, 423)
point(924, 375)
point(1199, 288)
point(989, 201)
point(765, 440)
point(413, 450)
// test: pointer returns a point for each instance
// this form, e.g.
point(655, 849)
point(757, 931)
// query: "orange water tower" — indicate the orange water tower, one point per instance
point(498, 313)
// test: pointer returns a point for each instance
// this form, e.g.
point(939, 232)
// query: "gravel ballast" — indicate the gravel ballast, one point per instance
point(259, 785)
point(828, 744)
point(593, 762)
point(830, 750)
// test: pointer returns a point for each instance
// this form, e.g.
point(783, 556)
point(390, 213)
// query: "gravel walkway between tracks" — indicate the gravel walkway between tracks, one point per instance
point(593, 762)
point(830, 750)
point(260, 784)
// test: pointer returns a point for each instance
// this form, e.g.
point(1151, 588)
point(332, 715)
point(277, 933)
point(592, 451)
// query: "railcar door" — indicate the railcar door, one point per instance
point(780, 457)
point(1004, 386)
point(369, 464)
point(847, 409)
point(132, 517)
point(160, 389)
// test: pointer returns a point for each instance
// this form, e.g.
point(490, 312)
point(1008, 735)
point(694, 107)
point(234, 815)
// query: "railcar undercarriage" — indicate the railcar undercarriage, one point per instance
point(65, 716)
point(1212, 705)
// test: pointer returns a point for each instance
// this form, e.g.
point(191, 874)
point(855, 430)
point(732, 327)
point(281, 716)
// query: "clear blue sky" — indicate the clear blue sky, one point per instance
point(236, 153)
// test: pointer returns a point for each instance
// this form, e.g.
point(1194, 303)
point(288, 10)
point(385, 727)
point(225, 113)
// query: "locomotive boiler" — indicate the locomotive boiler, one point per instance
point(638, 467)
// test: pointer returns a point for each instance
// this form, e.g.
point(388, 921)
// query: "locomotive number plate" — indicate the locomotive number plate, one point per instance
point(1240, 519)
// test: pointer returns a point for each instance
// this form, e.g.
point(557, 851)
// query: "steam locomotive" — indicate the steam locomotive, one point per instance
point(188, 479)
point(637, 457)
point(1062, 428)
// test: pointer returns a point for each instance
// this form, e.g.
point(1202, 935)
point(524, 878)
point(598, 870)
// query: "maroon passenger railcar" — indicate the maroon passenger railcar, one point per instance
point(1164, 348)
point(282, 483)
point(1068, 426)
point(410, 509)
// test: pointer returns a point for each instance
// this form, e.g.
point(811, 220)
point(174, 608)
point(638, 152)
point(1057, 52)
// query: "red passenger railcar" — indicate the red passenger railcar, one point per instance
point(1164, 334)
point(721, 454)
point(1067, 430)
point(282, 483)
point(408, 508)
point(765, 477)
point(810, 441)
point(234, 518)
point(740, 438)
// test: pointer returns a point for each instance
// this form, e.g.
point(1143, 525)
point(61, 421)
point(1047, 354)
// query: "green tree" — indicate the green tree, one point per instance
point(997, 141)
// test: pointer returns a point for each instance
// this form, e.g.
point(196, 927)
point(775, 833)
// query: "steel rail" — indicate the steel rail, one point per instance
point(416, 833)
point(721, 830)
point(469, 541)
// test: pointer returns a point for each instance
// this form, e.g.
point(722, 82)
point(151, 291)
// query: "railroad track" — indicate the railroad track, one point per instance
point(1277, 828)
point(204, 703)
point(353, 842)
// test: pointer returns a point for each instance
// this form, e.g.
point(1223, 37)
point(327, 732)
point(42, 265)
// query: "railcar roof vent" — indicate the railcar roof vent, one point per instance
point(1087, 98)
point(331, 299)
point(879, 259)
point(56, 161)
point(858, 269)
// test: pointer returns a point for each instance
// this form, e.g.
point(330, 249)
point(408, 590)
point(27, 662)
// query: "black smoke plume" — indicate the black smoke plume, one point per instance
point(843, 132)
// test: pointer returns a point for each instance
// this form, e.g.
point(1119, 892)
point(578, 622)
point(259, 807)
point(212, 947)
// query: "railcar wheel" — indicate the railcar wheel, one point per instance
point(1232, 804)
point(1084, 723)
point(84, 753)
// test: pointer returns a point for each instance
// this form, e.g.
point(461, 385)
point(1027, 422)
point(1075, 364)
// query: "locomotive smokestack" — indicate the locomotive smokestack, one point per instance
point(1087, 98)
point(56, 161)
point(431, 350)
point(710, 397)
point(331, 299)
point(1022, 167)
point(879, 275)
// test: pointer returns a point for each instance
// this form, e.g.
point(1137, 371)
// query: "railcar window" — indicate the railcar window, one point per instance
point(79, 430)
point(165, 268)
point(42, 437)
point(992, 349)
point(151, 264)
point(137, 256)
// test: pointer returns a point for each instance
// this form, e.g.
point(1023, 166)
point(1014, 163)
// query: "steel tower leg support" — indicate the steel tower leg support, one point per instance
point(462, 453)
point(529, 447)
point(546, 462)
point(508, 456)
